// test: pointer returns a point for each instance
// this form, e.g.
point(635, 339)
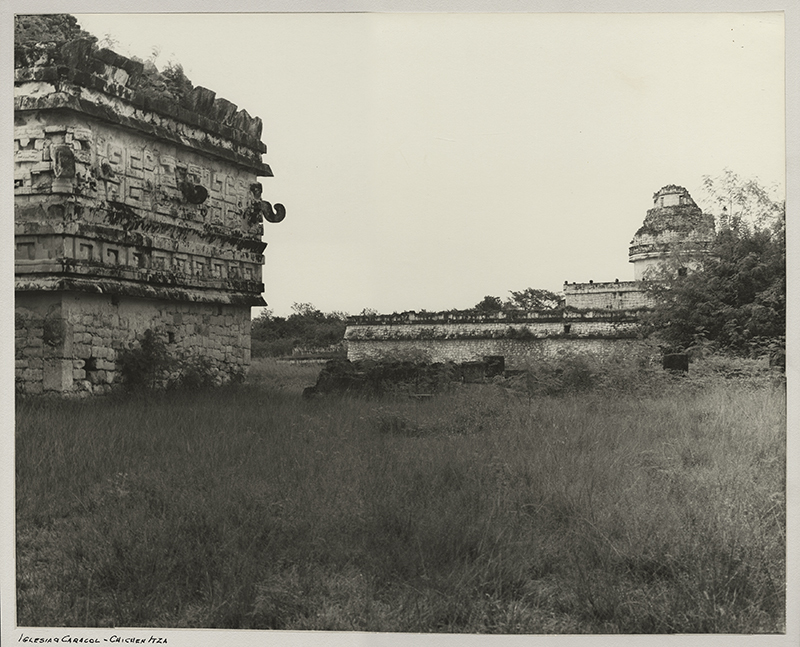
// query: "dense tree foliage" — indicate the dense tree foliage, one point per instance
point(306, 328)
point(736, 300)
point(527, 299)
point(488, 305)
point(533, 299)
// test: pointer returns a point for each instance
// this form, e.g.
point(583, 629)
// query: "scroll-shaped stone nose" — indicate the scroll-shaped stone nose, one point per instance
point(273, 215)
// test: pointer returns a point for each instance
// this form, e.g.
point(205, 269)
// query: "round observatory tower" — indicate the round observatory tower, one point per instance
point(675, 226)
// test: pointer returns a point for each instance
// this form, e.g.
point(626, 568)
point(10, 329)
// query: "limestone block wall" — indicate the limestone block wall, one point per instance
point(70, 342)
point(617, 295)
point(517, 353)
point(459, 337)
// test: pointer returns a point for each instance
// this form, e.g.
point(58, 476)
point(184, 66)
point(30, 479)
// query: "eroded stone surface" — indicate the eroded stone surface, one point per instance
point(675, 225)
point(517, 336)
point(134, 209)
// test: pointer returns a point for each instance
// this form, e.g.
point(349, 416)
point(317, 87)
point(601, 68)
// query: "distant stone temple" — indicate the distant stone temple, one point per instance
point(595, 317)
point(133, 211)
point(674, 230)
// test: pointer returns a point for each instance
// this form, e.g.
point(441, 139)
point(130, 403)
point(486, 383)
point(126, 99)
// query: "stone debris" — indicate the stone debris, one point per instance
point(413, 378)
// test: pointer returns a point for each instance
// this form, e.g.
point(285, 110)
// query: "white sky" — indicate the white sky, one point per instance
point(427, 160)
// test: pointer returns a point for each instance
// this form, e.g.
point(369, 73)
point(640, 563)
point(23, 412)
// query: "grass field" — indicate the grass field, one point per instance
point(647, 510)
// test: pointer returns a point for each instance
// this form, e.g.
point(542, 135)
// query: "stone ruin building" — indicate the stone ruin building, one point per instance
point(595, 317)
point(134, 211)
point(675, 229)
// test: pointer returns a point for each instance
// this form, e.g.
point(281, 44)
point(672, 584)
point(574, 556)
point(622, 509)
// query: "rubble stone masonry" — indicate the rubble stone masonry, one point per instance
point(617, 295)
point(133, 212)
point(463, 337)
point(71, 341)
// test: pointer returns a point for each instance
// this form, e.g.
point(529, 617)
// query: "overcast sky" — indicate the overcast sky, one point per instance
point(428, 160)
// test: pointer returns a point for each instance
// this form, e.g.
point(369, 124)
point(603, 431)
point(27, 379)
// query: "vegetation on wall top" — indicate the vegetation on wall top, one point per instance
point(39, 38)
point(43, 32)
point(527, 299)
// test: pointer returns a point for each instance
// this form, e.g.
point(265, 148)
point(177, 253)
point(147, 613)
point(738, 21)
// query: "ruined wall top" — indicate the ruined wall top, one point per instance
point(675, 210)
point(76, 75)
point(503, 316)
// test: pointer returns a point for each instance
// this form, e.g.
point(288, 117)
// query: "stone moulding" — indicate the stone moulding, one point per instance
point(242, 155)
point(137, 209)
point(399, 333)
point(662, 249)
point(137, 289)
point(515, 316)
point(634, 286)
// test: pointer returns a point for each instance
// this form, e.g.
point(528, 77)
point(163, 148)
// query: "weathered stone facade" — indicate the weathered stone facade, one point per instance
point(69, 341)
point(619, 295)
point(674, 226)
point(463, 337)
point(133, 211)
point(595, 318)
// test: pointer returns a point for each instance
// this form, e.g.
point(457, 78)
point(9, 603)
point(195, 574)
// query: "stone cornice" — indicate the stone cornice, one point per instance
point(593, 329)
point(139, 120)
point(79, 62)
point(143, 234)
point(122, 287)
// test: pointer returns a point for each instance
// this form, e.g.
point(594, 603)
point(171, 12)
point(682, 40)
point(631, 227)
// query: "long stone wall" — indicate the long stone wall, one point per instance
point(517, 353)
point(520, 337)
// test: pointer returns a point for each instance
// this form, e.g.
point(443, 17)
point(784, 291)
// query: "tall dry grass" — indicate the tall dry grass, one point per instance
point(485, 509)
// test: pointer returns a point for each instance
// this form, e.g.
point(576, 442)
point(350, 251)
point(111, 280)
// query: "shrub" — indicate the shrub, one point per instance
point(149, 365)
point(199, 373)
point(306, 327)
point(144, 366)
point(623, 369)
point(736, 298)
